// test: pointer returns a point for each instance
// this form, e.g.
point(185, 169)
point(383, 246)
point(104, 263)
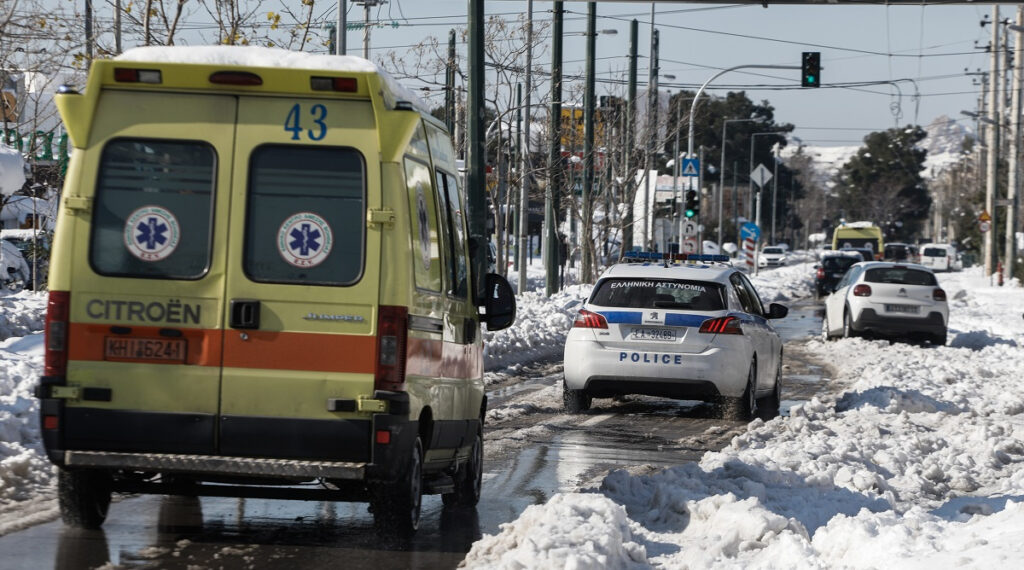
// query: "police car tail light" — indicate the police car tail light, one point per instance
point(588, 320)
point(392, 328)
point(721, 325)
point(938, 294)
point(862, 290)
point(57, 311)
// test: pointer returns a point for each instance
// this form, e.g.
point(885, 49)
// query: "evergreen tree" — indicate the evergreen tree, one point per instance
point(882, 183)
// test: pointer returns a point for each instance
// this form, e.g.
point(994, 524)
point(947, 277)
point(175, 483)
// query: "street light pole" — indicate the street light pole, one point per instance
point(587, 243)
point(525, 175)
point(554, 154)
point(995, 98)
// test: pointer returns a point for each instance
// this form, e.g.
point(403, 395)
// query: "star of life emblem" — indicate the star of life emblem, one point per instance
point(304, 240)
point(151, 233)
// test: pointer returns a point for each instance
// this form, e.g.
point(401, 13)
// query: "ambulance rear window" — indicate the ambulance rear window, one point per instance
point(659, 294)
point(152, 215)
point(306, 215)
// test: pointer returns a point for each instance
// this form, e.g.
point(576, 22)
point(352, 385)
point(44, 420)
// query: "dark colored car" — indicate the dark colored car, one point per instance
point(901, 252)
point(830, 270)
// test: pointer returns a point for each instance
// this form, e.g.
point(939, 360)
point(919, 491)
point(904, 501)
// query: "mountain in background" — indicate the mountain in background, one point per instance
point(944, 144)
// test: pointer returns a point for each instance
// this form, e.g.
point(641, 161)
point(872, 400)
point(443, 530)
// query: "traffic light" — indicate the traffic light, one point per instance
point(810, 69)
point(691, 207)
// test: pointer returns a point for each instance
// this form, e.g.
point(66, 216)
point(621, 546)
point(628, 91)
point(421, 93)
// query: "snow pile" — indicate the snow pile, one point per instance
point(918, 463)
point(12, 170)
point(24, 469)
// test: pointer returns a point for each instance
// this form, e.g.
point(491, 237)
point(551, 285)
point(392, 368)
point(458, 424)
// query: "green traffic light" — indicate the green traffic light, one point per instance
point(810, 79)
point(690, 213)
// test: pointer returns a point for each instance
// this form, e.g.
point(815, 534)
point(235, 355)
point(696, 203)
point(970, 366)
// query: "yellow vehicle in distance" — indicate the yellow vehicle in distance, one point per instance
point(859, 235)
point(260, 287)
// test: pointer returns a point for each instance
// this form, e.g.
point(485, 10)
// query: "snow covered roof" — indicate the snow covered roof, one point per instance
point(254, 56)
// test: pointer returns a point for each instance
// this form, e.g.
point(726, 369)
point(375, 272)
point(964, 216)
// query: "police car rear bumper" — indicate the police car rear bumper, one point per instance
point(614, 371)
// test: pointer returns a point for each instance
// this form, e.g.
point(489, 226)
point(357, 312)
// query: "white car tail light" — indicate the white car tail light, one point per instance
point(862, 290)
point(939, 294)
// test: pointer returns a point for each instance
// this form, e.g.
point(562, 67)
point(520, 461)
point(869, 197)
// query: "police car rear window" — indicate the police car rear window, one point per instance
point(306, 215)
point(153, 205)
point(659, 293)
point(900, 276)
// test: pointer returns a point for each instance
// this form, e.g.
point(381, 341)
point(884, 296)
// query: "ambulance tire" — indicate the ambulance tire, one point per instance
point(576, 401)
point(396, 506)
point(469, 479)
point(743, 408)
point(84, 497)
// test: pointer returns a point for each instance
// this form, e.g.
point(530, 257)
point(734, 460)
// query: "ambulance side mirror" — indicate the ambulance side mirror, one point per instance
point(499, 303)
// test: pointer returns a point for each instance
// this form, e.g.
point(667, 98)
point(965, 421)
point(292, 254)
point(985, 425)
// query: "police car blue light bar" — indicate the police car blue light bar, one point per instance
point(658, 256)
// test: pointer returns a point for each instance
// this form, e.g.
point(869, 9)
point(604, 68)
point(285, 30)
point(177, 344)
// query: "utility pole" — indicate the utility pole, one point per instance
point(652, 135)
point(587, 241)
point(630, 130)
point(342, 30)
point(476, 153)
point(117, 27)
point(449, 83)
point(367, 4)
point(1015, 144)
point(88, 31)
point(554, 152)
point(524, 175)
point(995, 106)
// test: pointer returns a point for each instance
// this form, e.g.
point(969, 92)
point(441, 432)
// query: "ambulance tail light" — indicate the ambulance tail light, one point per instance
point(130, 75)
point(340, 84)
point(862, 290)
point(939, 294)
point(57, 312)
point(721, 325)
point(588, 320)
point(392, 330)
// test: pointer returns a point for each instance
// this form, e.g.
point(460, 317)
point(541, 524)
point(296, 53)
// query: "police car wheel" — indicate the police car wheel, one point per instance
point(768, 407)
point(396, 506)
point(745, 407)
point(575, 401)
point(84, 497)
point(469, 479)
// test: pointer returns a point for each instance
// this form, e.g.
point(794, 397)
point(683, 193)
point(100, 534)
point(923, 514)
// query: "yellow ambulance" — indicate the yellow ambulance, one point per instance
point(260, 280)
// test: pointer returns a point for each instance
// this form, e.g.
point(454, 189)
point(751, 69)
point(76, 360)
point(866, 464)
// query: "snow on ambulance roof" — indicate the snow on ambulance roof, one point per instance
point(255, 56)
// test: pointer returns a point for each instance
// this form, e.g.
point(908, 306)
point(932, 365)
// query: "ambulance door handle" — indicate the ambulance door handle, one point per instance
point(245, 314)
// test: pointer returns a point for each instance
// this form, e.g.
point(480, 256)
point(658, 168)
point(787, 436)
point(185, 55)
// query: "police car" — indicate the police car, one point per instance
point(685, 327)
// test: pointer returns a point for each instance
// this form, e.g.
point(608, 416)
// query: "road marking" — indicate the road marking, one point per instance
point(596, 420)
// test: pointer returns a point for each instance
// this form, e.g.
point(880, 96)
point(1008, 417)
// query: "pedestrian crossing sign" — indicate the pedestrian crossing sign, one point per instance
point(691, 167)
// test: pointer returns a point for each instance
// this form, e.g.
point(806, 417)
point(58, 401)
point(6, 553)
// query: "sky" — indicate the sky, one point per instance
point(924, 49)
point(913, 458)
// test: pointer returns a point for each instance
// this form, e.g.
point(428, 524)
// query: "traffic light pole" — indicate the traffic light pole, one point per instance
point(696, 99)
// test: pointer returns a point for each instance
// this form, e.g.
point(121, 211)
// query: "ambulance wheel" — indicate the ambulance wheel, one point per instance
point(84, 497)
point(575, 401)
point(396, 506)
point(745, 407)
point(469, 479)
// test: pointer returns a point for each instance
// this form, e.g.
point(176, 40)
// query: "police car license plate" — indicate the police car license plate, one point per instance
point(652, 334)
point(908, 309)
point(163, 349)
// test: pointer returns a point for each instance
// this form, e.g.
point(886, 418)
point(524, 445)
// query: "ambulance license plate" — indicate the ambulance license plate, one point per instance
point(908, 309)
point(163, 349)
point(652, 334)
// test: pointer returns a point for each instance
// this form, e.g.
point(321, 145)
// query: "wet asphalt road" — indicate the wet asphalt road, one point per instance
point(529, 459)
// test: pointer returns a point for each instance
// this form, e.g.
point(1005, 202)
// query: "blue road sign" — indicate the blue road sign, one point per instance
point(691, 167)
point(750, 230)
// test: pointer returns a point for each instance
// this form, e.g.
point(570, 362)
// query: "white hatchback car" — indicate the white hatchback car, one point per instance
point(693, 330)
point(901, 300)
